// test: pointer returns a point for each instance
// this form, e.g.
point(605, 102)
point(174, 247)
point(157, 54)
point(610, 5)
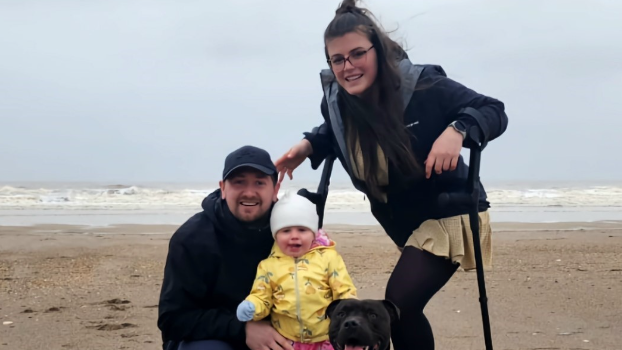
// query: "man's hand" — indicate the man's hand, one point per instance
point(261, 336)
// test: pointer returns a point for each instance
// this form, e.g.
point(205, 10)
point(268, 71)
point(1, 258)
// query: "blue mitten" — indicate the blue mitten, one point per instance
point(245, 311)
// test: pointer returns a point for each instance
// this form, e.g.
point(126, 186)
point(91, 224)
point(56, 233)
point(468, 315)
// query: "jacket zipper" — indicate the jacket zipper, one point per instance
point(298, 299)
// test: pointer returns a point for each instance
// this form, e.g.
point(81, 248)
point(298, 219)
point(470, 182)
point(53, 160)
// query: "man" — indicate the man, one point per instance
point(212, 262)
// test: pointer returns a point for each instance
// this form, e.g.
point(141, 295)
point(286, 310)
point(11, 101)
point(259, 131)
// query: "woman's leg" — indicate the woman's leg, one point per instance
point(205, 345)
point(417, 276)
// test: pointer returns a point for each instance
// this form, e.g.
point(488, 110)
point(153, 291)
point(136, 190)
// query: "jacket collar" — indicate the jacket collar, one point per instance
point(230, 227)
point(278, 253)
point(409, 73)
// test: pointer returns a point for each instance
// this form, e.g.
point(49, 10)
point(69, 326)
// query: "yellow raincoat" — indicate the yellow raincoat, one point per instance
point(297, 291)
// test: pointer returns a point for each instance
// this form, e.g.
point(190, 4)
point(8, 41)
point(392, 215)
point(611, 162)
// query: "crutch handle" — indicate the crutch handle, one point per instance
point(473, 140)
point(313, 197)
point(449, 199)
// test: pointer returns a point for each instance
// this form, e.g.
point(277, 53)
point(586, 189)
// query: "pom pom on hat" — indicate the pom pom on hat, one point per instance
point(293, 210)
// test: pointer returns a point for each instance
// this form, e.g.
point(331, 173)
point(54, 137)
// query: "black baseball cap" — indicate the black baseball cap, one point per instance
point(249, 156)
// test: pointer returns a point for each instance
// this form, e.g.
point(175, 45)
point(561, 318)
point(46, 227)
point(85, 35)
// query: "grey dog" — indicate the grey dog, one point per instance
point(361, 324)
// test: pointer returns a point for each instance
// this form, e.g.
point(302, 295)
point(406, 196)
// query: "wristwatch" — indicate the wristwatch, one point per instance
point(459, 127)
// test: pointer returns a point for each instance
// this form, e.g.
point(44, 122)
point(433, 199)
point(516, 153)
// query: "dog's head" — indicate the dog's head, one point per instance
point(361, 324)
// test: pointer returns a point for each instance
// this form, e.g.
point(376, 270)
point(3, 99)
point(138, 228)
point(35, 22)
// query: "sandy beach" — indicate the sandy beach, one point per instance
point(80, 287)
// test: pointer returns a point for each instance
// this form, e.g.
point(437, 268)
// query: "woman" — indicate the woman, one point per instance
point(398, 129)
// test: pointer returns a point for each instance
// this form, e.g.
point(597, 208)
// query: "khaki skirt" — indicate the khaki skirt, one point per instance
point(452, 238)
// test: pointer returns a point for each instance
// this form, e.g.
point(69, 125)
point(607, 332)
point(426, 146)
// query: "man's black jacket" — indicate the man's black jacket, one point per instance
point(210, 268)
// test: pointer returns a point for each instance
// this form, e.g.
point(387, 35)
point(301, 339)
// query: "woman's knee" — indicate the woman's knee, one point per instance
point(205, 345)
point(417, 276)
point(406, 298)
point(404, 291)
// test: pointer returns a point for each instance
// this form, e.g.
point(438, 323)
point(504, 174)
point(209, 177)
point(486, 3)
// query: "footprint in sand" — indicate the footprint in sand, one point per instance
point(117, 307)
point(112, 327)
point(116, 301)
point(115, 304)
point(53, 309)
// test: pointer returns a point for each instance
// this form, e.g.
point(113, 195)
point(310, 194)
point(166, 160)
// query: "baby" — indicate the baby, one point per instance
point(300, 277)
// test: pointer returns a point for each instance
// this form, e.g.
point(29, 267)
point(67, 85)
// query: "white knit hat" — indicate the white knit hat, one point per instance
point(293, 210)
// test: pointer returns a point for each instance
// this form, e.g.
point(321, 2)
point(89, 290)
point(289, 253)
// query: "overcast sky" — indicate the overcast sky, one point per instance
point(138, 90)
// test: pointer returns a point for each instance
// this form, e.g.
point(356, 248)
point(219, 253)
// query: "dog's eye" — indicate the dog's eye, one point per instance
point(372, 315)
point(341, 314)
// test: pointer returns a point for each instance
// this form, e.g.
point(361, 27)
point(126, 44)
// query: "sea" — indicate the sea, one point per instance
point(104, 204)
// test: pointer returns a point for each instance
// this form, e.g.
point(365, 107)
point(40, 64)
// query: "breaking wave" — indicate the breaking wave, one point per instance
point(340, 198)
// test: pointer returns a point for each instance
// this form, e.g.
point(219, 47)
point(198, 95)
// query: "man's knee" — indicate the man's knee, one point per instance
point(205, 345)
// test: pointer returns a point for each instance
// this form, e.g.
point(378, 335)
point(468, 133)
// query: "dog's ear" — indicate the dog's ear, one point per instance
point(394, 311)
point(331, 308)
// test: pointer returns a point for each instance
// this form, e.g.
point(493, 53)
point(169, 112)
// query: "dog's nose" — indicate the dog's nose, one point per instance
point(351, 324)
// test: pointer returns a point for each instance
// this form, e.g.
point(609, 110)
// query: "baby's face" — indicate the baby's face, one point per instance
point(294, 241)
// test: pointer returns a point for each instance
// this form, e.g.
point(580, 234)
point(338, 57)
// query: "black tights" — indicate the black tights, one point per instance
point(417, 276)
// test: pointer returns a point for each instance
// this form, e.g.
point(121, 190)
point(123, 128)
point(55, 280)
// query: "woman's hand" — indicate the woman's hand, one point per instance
point(445, 152)
point(293, 158)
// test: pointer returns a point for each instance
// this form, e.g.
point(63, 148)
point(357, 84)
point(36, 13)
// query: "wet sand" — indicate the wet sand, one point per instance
point(553, 286)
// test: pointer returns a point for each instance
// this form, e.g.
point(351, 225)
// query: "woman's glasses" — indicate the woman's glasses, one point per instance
point(356, 59)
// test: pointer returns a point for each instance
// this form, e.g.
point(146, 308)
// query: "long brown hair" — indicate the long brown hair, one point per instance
point(376, 119)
